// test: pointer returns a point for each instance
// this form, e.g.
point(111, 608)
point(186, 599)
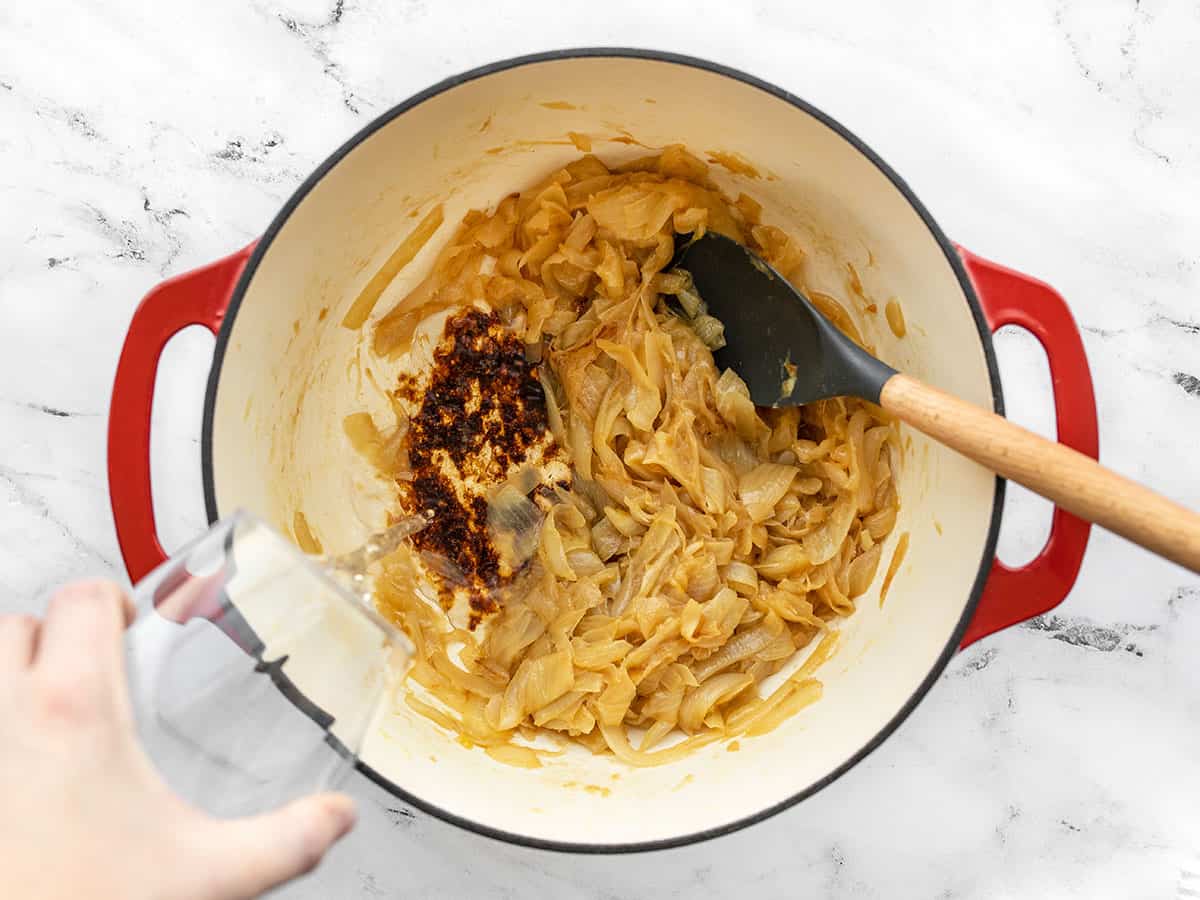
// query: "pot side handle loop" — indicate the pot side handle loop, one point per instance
point(199, 297)
point(1010, 298)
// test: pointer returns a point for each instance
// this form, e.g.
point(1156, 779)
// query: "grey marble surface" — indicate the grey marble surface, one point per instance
point(1061, 137)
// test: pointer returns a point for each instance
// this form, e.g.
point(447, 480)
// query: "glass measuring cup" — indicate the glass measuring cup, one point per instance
point(255, 671)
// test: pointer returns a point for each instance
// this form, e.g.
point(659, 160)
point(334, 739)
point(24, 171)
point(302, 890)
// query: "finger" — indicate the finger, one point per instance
point(253, 855)
point(18, 641)
point(80, 639)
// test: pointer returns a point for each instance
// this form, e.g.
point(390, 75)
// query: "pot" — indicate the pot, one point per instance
point(285, 374)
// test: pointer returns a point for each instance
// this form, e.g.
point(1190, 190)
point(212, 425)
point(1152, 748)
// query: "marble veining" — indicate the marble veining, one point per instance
point(1057, 759)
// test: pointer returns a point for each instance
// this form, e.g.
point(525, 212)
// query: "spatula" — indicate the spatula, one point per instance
point(788, 353)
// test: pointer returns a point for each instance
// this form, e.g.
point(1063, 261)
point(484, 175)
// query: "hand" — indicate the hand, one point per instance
point(83, 813)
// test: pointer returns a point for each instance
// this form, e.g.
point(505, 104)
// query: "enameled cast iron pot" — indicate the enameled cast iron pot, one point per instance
point(285, 374)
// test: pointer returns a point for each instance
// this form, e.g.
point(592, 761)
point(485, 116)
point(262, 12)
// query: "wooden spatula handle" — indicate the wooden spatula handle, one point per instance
point(1073, 481)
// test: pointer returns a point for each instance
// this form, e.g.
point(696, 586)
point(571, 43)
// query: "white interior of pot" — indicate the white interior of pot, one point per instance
point(291, 374)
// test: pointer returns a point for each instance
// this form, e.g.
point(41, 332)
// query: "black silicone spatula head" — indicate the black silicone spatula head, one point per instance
point(785, 350)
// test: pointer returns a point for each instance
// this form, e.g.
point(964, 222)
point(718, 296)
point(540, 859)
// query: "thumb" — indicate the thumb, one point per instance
point(260, 852)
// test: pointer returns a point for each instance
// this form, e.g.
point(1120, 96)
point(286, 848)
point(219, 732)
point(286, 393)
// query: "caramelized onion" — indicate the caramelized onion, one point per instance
point(640, 545)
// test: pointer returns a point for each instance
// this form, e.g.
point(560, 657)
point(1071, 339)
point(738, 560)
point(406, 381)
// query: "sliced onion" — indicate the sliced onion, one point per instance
point(742, 645)
point(711, 692)
point(535, 684)
point(862, 570)
point(764, 486)
point(613, 703)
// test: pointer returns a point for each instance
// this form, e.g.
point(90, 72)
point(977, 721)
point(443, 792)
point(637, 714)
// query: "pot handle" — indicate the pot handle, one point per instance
point(1010, 298)
point(198, 297)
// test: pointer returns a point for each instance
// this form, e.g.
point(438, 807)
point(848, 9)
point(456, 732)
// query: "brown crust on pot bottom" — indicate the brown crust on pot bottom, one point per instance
point(481, 413)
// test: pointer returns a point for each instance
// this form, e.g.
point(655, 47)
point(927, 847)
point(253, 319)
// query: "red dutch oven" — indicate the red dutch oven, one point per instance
point(285, 373)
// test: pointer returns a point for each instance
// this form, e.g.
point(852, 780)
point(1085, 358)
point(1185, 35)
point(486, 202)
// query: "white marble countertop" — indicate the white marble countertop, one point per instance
point(1060, 759)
